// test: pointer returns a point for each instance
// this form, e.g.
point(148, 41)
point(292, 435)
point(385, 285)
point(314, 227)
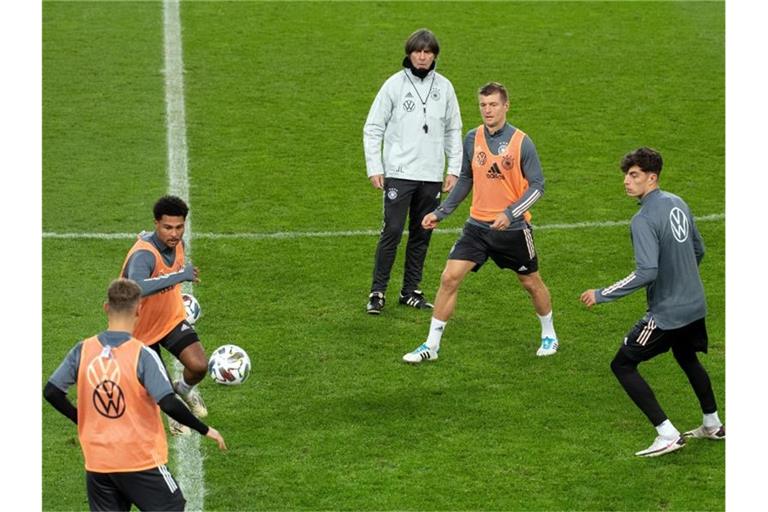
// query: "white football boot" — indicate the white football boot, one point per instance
point(177, 429)
point(714, 433)
point(662, 445)
point(422, 353)
point(548, 347)
point(193, 399)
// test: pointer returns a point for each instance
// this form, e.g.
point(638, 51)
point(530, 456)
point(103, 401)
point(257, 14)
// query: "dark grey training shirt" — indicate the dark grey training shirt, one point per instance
point(529, 164)
point(150, 369)
point(668, 249)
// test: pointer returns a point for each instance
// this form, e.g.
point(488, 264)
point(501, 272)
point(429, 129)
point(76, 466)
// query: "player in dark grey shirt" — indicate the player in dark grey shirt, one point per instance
point(668, 249)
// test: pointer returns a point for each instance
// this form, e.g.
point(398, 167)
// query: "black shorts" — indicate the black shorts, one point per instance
point(508, 249)
point(180, 337)
point(151, 489)
point(646, 340)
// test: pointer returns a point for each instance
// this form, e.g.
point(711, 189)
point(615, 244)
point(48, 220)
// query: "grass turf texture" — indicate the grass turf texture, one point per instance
point(276, 98)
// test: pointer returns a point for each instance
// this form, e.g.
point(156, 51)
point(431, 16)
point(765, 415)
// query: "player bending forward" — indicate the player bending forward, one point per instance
point(668, 250)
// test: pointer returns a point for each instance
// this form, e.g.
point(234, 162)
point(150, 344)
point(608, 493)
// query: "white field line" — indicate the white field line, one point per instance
point(188, 458)
point(715, 217)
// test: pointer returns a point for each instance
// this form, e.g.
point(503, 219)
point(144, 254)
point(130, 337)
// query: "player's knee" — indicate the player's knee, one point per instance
point(533, 284)
point(198, 367)
point(392, 231)
point(449, 281)
point(621, 364)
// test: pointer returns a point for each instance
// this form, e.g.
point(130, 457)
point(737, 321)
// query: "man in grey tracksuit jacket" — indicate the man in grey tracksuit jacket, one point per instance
point(416, 118)
point(668, 249)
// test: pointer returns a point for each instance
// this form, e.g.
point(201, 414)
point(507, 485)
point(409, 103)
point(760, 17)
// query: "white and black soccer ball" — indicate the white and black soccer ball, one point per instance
point(229, 365)
point(191, 308)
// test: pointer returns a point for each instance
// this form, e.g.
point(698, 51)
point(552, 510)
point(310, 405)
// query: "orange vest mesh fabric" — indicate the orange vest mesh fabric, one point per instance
point(162, 311)
point(118, 422)
point(498, 180)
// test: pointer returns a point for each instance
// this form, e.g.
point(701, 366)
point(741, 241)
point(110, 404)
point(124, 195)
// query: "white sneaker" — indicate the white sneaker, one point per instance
point(193, 400)
point(715, 433)
point(548, 347)
point(177, 429)
point(422, 353)
point(662, 445)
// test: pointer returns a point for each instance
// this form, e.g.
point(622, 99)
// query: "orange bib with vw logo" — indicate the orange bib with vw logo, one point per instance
point(498, 180)
point(118, 422)
point(162, 311)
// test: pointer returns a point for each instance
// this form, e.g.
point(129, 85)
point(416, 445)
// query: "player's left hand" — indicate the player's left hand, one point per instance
point(501, 222)
point(449, 182)
point(196, 274)
point(588, 298)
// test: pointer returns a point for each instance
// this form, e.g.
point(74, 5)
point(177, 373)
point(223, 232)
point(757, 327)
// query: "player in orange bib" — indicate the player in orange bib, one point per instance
point(157, 263)
point(121, 387)
point(502, 170)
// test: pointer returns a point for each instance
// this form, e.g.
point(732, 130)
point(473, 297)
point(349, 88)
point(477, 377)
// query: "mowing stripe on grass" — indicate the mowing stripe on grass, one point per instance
point(714, 217)
point(188, 460)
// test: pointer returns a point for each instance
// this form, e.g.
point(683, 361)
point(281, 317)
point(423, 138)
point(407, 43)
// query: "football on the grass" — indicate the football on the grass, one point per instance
point(229, 365)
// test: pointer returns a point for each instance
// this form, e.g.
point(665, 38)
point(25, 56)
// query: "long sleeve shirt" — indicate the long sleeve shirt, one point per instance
point(395, 140)
point(668, 249)
point(529, 163)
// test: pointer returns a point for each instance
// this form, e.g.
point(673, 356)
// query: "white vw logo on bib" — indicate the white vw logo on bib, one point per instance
point(679, 223)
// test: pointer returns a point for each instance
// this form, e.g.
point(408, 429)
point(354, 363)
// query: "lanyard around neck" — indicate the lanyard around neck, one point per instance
point(423, 101)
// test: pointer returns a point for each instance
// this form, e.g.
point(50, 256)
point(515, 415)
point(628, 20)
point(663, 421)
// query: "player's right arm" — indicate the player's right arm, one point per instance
point(152, 375)
point(58, 384)
point(646, 247)
point(140, 266)
point(379, 116)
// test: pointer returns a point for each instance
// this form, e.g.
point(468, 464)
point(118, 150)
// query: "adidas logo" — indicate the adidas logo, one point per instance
point(494, 172)
point(185, 327)
point(522, 268)
point(409, 95)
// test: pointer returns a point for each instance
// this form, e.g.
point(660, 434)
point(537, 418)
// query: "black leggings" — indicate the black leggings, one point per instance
point(641, 393)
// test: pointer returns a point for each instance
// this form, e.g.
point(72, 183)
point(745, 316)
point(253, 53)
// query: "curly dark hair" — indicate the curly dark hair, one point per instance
point(170, 205)
point(649, 160)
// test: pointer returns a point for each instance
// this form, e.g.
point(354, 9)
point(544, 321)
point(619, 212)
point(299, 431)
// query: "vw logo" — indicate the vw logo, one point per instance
point(409, 105)
point(679, 223)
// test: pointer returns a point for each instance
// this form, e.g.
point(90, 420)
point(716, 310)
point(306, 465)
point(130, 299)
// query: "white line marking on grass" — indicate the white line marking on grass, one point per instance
point(715, 217)
point(188, 460)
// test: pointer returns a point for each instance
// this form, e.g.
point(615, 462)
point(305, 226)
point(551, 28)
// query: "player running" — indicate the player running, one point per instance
point(668, 249)
point(157, 263)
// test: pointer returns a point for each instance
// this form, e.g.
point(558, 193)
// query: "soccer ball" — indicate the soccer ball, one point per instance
point(229, 365)
point(191, 308)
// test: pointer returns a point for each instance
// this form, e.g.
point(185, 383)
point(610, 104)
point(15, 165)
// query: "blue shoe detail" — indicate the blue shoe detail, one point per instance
point(548, 343)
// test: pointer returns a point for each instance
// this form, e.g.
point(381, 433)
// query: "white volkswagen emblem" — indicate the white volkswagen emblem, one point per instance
point(679, 223)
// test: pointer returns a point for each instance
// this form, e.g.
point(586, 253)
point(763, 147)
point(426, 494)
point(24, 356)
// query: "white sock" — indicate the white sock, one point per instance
point(547, 326)
point(667, 429)
point(183, 387)
point(436, 328)
point(712, 421)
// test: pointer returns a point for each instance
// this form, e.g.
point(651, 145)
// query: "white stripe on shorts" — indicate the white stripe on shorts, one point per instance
point(646, 332)
point(168, 478)
point(529, 243)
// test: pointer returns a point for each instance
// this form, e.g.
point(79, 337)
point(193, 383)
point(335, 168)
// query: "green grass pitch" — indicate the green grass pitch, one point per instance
point(276, 96)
